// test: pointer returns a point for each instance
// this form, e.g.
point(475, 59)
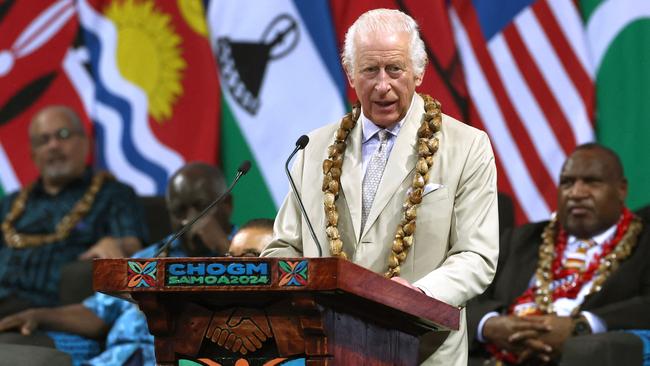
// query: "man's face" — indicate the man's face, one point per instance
point(188, 195)
point(383, 76)
point(58, 149)
point(591, 193)
point(250, 242)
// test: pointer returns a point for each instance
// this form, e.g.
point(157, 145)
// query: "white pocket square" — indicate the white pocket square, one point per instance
point(428, 188)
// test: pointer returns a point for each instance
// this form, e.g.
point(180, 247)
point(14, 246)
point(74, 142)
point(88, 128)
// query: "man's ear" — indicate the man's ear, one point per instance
point(349, 75)
point(622, 190)
point(418, 79)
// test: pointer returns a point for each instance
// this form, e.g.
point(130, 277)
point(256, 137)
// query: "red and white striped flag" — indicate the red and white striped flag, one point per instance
point(531, 85)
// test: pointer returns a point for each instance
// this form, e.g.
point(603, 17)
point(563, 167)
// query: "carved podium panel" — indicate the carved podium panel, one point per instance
point(270, 311)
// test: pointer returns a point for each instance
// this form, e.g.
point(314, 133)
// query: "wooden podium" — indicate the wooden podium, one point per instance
point(274, 311)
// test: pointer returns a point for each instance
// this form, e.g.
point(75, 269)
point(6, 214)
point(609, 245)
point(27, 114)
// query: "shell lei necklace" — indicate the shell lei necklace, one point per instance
point(17, 240)
point(427, 145)
point(549, 268)
point(553, 245)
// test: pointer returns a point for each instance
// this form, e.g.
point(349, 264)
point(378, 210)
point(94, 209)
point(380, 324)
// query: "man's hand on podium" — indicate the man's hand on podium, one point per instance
point(406, 283)
point(240, 330)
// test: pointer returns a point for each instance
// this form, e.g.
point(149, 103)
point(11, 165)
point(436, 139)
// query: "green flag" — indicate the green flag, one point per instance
point(618, 34)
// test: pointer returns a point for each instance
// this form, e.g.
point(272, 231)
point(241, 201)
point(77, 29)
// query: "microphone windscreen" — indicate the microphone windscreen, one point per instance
point(302, 141)
point(244, 167)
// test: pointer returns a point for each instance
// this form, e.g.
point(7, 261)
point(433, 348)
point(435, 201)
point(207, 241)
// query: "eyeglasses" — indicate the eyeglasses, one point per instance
point(62, 134)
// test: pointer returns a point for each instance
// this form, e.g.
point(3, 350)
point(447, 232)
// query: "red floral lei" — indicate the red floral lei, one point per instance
point(569, 289)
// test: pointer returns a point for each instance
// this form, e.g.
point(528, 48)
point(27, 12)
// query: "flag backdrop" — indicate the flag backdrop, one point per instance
point(34, 39)
point(279, 81)
point(529, 77)
point(618, 33)
point(160, 83)
point(141, 74)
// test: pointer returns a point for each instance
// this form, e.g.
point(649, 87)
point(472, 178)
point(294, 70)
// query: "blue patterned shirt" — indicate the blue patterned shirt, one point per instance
point(33, 273)
point(128, 342)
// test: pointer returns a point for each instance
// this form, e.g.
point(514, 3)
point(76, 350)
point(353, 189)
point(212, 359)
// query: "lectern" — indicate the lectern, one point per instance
point(274, 311)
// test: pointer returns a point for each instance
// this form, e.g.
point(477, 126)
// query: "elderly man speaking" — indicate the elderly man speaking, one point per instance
point(406, 190)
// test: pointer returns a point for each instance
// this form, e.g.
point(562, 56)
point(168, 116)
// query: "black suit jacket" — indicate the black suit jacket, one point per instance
point(623, 302)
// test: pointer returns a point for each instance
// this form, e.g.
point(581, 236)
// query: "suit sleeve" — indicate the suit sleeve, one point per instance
point(474, 236)
point(287, 230)
point(488, 301)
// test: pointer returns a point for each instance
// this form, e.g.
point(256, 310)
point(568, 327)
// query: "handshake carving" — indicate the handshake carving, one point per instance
point(240, 330)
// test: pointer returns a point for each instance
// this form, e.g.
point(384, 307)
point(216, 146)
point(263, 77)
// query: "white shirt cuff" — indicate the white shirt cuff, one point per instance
point(481, 324)
point(424, 289)
point(597, 324)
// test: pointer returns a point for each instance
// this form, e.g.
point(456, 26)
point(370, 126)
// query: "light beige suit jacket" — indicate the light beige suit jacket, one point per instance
point(454, 255)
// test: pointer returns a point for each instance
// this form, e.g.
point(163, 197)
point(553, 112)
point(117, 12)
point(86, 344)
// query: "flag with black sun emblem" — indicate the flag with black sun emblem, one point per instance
point(140, 72)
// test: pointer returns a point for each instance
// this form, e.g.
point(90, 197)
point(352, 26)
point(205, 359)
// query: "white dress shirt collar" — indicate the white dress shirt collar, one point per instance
point(600, 239)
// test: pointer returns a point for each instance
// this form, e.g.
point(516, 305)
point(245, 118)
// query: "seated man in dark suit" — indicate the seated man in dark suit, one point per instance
point(70, 212)
point(586, 271)
point(121, 323)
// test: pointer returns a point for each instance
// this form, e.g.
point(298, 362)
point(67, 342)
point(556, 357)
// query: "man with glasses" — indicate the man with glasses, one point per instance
point(72, 328)
point(69, 213)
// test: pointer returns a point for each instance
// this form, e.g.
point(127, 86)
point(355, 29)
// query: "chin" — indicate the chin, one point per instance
point(57, 172)
point(385, 122)
point(581, 230)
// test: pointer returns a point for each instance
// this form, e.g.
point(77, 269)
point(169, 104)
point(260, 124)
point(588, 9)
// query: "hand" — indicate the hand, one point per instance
point(545, 345)
point(210, 235)
point(107, 247)
point(239, 330)
point(406, 283)
point(561, 328)
point(516, 334)
point(26, 321)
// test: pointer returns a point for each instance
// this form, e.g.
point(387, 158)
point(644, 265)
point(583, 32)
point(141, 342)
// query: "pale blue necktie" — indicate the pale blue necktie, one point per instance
point(373, 175)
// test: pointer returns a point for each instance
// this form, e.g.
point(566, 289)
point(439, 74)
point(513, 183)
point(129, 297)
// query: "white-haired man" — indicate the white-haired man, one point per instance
point(394, 162)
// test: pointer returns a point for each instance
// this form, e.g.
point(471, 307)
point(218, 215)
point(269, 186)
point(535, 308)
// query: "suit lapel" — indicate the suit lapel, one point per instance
point(524, 263)
point(351, 178)
point(400, 162)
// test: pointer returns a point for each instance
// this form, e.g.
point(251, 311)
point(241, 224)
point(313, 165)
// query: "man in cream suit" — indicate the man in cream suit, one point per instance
point(398, 171)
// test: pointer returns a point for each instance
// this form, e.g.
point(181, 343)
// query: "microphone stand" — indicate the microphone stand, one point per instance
point(300, 144)
point(243, 169)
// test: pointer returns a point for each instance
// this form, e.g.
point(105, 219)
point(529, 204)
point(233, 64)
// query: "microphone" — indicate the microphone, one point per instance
point(300, 144)
point(243, 169)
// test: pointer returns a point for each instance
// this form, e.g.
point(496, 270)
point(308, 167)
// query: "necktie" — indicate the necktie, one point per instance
point(578, 259)
point(373, 176)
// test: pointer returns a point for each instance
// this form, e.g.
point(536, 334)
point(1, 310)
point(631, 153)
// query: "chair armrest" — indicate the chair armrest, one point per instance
point(603, 349)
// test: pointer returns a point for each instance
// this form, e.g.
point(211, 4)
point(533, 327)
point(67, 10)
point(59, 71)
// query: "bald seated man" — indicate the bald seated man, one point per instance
point(120, 323)
point(70, 212)
point(251, 238)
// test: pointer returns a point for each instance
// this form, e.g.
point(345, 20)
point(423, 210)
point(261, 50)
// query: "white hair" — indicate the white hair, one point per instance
point(385, 20)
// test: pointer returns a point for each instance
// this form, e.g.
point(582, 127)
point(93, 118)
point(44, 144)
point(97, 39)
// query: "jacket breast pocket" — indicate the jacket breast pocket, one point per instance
point(438, 194)
point(435, 206)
